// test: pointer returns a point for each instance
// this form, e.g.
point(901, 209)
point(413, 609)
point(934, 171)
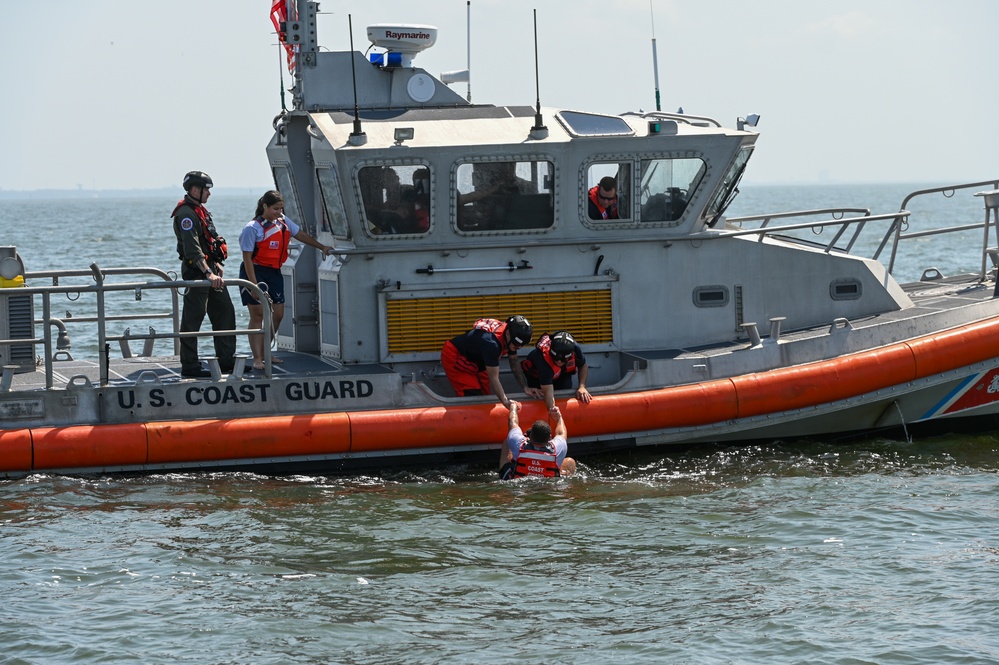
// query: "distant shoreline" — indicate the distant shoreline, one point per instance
point(13, 194)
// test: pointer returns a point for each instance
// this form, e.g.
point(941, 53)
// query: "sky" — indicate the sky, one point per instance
point(126, 94)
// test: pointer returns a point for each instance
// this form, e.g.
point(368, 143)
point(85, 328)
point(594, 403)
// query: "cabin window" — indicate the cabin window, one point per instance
point(504, 196)
point(599, 178)
point(396, 199)
point(667, 186)
point(285, 185)
point(846, 289)
point(729, 187)
point(710, 296)
point(334, 218)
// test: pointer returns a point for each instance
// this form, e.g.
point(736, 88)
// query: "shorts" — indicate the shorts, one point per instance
point(272, 277)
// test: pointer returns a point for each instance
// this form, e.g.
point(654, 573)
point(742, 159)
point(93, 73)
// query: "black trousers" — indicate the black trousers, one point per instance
point(218, 306)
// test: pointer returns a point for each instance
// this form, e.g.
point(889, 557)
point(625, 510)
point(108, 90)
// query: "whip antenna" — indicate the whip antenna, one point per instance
point(538, 131)
point(655, 58)
point(281, 77)
point(468, 50)
point(357, 137)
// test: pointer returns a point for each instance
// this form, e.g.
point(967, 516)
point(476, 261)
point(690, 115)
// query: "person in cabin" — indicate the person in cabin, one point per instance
point(550, 366)
point(264, 242)
point(419, 197)
point(471, 360)
point(603, 199)
point(202, 252)
point(535, 452)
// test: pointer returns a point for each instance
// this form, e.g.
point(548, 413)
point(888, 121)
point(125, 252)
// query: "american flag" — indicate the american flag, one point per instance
point(279, 15)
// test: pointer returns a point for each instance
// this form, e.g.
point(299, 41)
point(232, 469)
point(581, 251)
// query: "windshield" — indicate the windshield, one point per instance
point(729, 187)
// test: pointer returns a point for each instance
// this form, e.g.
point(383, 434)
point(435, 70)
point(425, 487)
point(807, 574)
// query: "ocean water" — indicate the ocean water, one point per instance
point(879, 551)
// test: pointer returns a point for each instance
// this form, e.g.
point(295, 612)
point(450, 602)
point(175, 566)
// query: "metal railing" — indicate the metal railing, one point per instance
point(990, 203)
point(101, 288)
point(895, 233)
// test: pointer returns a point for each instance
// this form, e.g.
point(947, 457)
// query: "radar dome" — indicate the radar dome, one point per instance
point(406, 39)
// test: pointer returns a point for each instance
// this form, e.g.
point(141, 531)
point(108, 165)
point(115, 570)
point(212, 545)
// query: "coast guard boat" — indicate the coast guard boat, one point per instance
point(697, 328)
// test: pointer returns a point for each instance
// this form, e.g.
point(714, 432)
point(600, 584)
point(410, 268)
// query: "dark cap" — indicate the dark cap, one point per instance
point(540, 433)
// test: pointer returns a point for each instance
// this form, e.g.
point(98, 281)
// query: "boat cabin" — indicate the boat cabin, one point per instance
point(443, 212)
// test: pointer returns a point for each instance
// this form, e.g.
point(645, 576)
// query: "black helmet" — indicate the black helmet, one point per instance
point(519, 330)
point(563, 346)
point(197, 179)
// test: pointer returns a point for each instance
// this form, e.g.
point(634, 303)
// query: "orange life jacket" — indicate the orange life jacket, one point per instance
point(497, 328)
point(534, 462)
point(610, 212)
point(545, 346)
point(272, 250)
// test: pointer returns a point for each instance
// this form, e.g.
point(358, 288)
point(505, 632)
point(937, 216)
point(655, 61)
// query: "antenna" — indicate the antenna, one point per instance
point(281, 75)
point(468, 48)
point(655, 57)
point(538, 131)
point(357, 137)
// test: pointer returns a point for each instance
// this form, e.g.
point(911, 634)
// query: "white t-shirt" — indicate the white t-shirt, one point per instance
point(515, 436)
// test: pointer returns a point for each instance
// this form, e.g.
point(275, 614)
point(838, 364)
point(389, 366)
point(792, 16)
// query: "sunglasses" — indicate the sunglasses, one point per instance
point(607, 198)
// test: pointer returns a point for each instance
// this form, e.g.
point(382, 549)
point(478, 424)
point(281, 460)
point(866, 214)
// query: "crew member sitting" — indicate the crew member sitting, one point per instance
point(603, 199)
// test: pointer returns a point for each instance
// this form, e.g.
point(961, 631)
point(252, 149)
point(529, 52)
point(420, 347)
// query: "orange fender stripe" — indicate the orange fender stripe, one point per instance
point(89, 446)
point(15, 450)
point(276, 436)
point(681, 406)
point(955, 348)
point(427, 428)
point(825, 381)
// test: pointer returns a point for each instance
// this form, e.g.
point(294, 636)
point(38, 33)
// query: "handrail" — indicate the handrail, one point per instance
point(685, 118)
point(899, 236)
point(100, 288)
point(173, 314)
point(766, 231)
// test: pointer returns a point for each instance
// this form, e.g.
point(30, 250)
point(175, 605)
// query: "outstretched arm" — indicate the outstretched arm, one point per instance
point(496, 386)
point(582, 394)
point(518, 373)
point(560, 429)
point(512, 421)
point(309, 240)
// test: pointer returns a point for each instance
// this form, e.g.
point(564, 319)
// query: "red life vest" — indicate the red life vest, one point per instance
point(545, 346)
point(216, 250)
point(610, 212)
point(272, 250)
point(497, 328)
point(533, 462)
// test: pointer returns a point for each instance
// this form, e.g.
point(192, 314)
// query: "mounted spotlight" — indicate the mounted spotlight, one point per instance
point(403, 134)
point(750, 120)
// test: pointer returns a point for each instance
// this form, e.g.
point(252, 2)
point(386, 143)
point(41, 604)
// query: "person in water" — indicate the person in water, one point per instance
point(202, 252)
point(535, 452)
point(264, 242)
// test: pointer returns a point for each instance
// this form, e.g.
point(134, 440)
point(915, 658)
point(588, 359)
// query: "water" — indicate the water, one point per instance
point(880, 551)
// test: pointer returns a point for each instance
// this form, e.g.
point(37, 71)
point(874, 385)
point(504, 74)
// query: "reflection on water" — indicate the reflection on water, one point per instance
point(756, 554)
